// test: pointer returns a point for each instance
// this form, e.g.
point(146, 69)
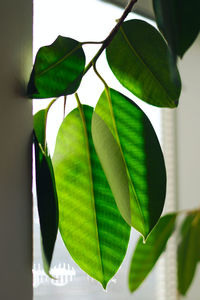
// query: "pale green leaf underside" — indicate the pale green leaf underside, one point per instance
point(146, 255)
point(132, 159)
point(91, 226)
point(139, 58)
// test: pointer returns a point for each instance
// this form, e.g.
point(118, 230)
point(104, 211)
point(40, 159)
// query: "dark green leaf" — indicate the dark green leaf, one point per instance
point(39, 124)
point(139, 58)
point(91, 226)
point(188, 251)
point(58, 69)
point(146, 255)
point(130, 154)
point(179, 22)
point(46, 192)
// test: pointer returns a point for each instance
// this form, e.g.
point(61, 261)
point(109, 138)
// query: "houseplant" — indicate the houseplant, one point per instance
point(126, 181)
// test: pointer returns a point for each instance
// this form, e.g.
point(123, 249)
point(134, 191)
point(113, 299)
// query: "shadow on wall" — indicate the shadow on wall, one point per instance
point(142, 7)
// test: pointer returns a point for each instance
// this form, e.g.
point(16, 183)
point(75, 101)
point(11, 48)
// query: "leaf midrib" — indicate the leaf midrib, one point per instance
point(144, 63)
point(120, 147)
point(59, 61)
point(91, 183)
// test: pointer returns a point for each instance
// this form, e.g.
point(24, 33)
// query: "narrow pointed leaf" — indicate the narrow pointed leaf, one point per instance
point(140, 59)
point(188, 251)
point(39, 124)
point(131, 157)
point(57, 70)
point(179, 22)
point(46, 193)
point(146, 255)
point(91, 226)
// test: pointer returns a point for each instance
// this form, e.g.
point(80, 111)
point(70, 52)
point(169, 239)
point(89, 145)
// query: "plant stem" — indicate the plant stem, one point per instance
point(45, 131)
point(64, 108)
point(109, 38)
point(92, 42)
point(99, 76)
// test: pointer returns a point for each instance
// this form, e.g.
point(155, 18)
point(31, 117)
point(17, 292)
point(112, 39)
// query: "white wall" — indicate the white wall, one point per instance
point(15, 158)
point(188, 140)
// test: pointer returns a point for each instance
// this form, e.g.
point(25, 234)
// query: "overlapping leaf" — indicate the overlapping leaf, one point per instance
point(58, 69)
point(179, 22)
point(132, 159)
point(46, 191)
point(91, 226)
point(139, 58)
point(188, 251)
point(146, 255)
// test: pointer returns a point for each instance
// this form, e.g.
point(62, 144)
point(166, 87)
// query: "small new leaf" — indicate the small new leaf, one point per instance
point(57, 70)
point(146, 255)
point(140, 59)
point(90, 224)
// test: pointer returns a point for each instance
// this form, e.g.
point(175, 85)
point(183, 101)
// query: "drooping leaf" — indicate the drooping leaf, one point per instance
point(132, 160)
point(57, 70)
point(140, 59)
point(146, 255)
point(39, 124)
point(188, 251)
point(46, 192)
point(179, 22)
point(91, 226)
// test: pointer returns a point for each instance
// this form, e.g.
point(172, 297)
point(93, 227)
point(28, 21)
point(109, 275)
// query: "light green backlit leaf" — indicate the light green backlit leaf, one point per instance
point(58, 69)
point(139, 58)
point(132, 159)
point(46, 192)
point(146, 255)
point(188, 251)
point(91, 226)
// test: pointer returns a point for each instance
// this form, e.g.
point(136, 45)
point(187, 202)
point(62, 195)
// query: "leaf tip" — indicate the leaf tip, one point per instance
point(104, 284)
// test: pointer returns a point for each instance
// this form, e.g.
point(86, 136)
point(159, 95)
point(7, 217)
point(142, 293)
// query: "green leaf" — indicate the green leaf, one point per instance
point(58, 69)
point(91, 226)
point(132, 160)
point(188, 251)
point(46, 192)
point(39, 124)
point(146, 255)
point(179, 22)
point(139, 58)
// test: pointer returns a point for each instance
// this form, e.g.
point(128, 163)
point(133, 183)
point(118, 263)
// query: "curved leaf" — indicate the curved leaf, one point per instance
point(188, 251)
point(179, 22)
point(132, 159)
point(139, 58)
point(91, 226)
point(146, 255)
point(46, 192)
point(58, 69)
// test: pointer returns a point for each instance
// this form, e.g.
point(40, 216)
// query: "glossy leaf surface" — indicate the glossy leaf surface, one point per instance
point(57, 70)
point(130, 154)
point(146, 255)
point(188, 251)
point(46, 192)
point(179, 22)
point(91, 226)
point(139, 58)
